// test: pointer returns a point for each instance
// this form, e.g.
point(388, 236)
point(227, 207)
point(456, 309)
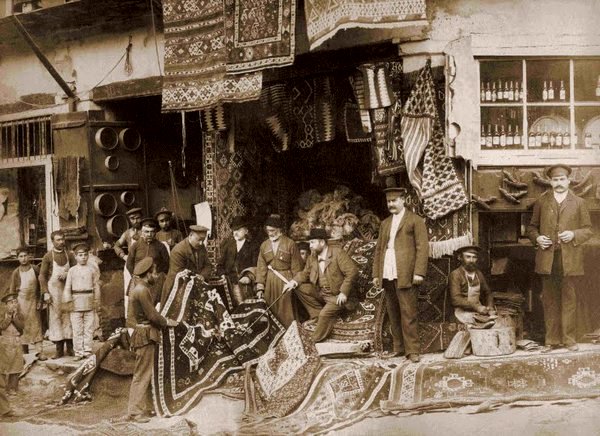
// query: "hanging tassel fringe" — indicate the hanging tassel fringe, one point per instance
point(437, 249)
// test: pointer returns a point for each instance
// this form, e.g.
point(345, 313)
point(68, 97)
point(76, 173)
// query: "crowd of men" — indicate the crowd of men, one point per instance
point(323, 281)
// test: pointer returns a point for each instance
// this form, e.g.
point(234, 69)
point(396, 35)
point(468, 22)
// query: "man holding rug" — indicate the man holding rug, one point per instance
point(559, 226)
point(399, 266)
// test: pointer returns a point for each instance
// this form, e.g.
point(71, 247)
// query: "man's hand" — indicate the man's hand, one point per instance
point(341, 299)
point(566, 236)
point(244, 280)
point(260, 294)
point(47, 297)
point(376, 283)
point(172, 323)
point(124, 257)
point(290, 285)
point(482, 310)
point(543, 241)
point(62, 277)
point(417, 279)
point(260, 287)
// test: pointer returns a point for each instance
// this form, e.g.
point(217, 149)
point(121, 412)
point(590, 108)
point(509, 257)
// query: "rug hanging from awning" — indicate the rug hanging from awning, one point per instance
point(195, 59)
point(259, 34)
point(324, 17)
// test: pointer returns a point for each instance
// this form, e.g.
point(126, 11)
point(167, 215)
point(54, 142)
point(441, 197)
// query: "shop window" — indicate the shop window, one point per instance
point(540, 104)
point(26, 138)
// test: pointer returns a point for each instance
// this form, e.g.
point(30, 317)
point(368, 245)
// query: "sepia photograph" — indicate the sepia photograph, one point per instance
point(299, 217)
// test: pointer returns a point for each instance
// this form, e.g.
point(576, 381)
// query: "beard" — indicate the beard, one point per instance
point(470, 267)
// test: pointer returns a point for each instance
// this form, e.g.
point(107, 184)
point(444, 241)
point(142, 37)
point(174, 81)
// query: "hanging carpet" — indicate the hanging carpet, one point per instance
point(66, 179)
point(444, 384)
point(195, 58)
point(325, 17)
point(208, 345)
point(259, 34)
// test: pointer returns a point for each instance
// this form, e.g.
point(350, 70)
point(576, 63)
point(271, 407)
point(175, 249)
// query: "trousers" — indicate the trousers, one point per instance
point(401, 305)
point(140, 400)
point(4, 405)
point(83, 331)
point(559, 300)
point(320, 304)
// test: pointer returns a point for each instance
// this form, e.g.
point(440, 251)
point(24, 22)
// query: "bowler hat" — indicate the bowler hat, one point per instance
point(470, 248)
point(198, 228)
point(559, 168)
point(394, 190)
point(143, 266)
point(149, 222)
point(274, 220)
point(10, 296)
point(163, 211)
point(134, 211)
point(238, 222)
point(81, 246)
point(318, 233)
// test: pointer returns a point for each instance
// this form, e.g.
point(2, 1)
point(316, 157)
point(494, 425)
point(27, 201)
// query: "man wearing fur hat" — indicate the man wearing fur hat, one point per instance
point(399, 266)
point(281, 253)
point(559, 226)
point(326, 283)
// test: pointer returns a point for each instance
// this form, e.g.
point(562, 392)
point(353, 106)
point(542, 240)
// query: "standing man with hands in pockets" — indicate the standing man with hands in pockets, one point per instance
point(559, 226)
point(399, 266)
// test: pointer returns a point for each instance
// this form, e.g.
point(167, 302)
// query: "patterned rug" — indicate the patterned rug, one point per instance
point(195, 58)
point(259, 34)
point(208, 345)
point(343, 392)
point(324, 17)
point(444, 384)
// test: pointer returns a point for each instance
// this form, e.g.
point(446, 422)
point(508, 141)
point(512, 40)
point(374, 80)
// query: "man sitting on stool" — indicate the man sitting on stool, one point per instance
point(468, 288)
point(325, 283)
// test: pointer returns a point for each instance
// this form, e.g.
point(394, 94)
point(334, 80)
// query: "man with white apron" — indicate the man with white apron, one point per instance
point(468, 289)
point(53, 273)
point(127, 239)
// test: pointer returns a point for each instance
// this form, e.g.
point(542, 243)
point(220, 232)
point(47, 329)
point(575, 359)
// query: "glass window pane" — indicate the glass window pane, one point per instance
point(587, 123)
point(548, 127)
point(548, 80)
point(501, 128)
point(587, 80)
point(501, 81)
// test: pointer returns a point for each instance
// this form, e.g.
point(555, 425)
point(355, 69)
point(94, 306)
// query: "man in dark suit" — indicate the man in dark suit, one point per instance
point(559, 226)
point(326, 283)
point(399, 266)
point(237, 252)
point(469, 292)
point(188, 254)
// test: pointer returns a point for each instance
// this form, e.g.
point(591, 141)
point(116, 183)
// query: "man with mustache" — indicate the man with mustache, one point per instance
point(399, 266)
point(559, 226)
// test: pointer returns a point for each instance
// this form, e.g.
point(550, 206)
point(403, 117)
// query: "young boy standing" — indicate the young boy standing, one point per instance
point(11, 352)
point(24, 282)
point(167, 234)
point(82, 297)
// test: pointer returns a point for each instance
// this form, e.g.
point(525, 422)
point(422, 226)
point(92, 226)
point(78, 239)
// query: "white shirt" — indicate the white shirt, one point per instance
point(389, 262)
point(322, 258)
point(239, 244)
point(559, 197)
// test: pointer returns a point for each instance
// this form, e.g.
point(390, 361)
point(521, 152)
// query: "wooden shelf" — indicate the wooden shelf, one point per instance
point(548, 104)
point(502, 104)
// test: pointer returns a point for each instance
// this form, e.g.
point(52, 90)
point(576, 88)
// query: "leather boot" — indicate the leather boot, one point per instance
point(59, 350)
point(69, 343)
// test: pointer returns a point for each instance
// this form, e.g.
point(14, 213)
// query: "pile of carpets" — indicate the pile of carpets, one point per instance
point(341, 212)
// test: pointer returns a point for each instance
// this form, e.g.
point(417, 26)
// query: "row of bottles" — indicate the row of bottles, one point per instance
point(511, 91)
point(506, 137)
point(549, 93)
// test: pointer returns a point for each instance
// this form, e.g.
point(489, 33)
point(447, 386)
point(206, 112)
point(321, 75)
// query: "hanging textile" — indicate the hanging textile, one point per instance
point(353, 124)
point(195, 58)
point(214, 118)
point(276, 107)
point(259, 34)
point(324, 17)
point(66, 179)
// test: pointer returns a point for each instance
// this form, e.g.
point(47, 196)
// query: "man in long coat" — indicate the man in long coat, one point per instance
point(399, 266)
point(281, 253)
point(559, 226)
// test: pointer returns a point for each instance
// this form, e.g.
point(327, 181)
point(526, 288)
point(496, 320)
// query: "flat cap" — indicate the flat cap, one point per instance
point(134, 211)
point(143, 266)
point(163, 211)
point(468, 248)
point(198, 228)
point(10, 296)
point(81, 246)
point(400, 191)
point(559, 169)
point(318, 234)
point(274, 220)
point(149, 222)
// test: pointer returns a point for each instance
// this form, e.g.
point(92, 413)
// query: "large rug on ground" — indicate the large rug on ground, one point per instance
point(443, 384)
point(208, 345)
point(342, 393)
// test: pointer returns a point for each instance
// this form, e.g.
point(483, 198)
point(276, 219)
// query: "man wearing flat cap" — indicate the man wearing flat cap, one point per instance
point(188, 254)
point(469, 292)
point(559, 226)
point(145, 321)
point(325, 285)
point(167, 234)
point(238, 252)
point(281, 253)
point(399, 266)
point(129, 236)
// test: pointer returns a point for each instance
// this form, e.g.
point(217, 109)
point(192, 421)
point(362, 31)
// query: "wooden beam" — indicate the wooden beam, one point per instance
point(127, 89)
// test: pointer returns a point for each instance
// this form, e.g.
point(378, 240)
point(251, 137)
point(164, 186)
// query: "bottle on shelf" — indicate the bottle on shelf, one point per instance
point(496, 137)
point(511, 92)
point(506, 91)
point(517, 139)
point(587, 140)
point(510, 139)
point(563, 91)
point(545, 92)
point(552, 136)
point(567, 139)
point(545, 139)
point(551, 91)
point(532, 139)
point(482, 93)
point(538, 138)
point(488, 93)
point(488, 138)
point(482, 137)
point(494, 94)
point(502, 137)
point(559, 139)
